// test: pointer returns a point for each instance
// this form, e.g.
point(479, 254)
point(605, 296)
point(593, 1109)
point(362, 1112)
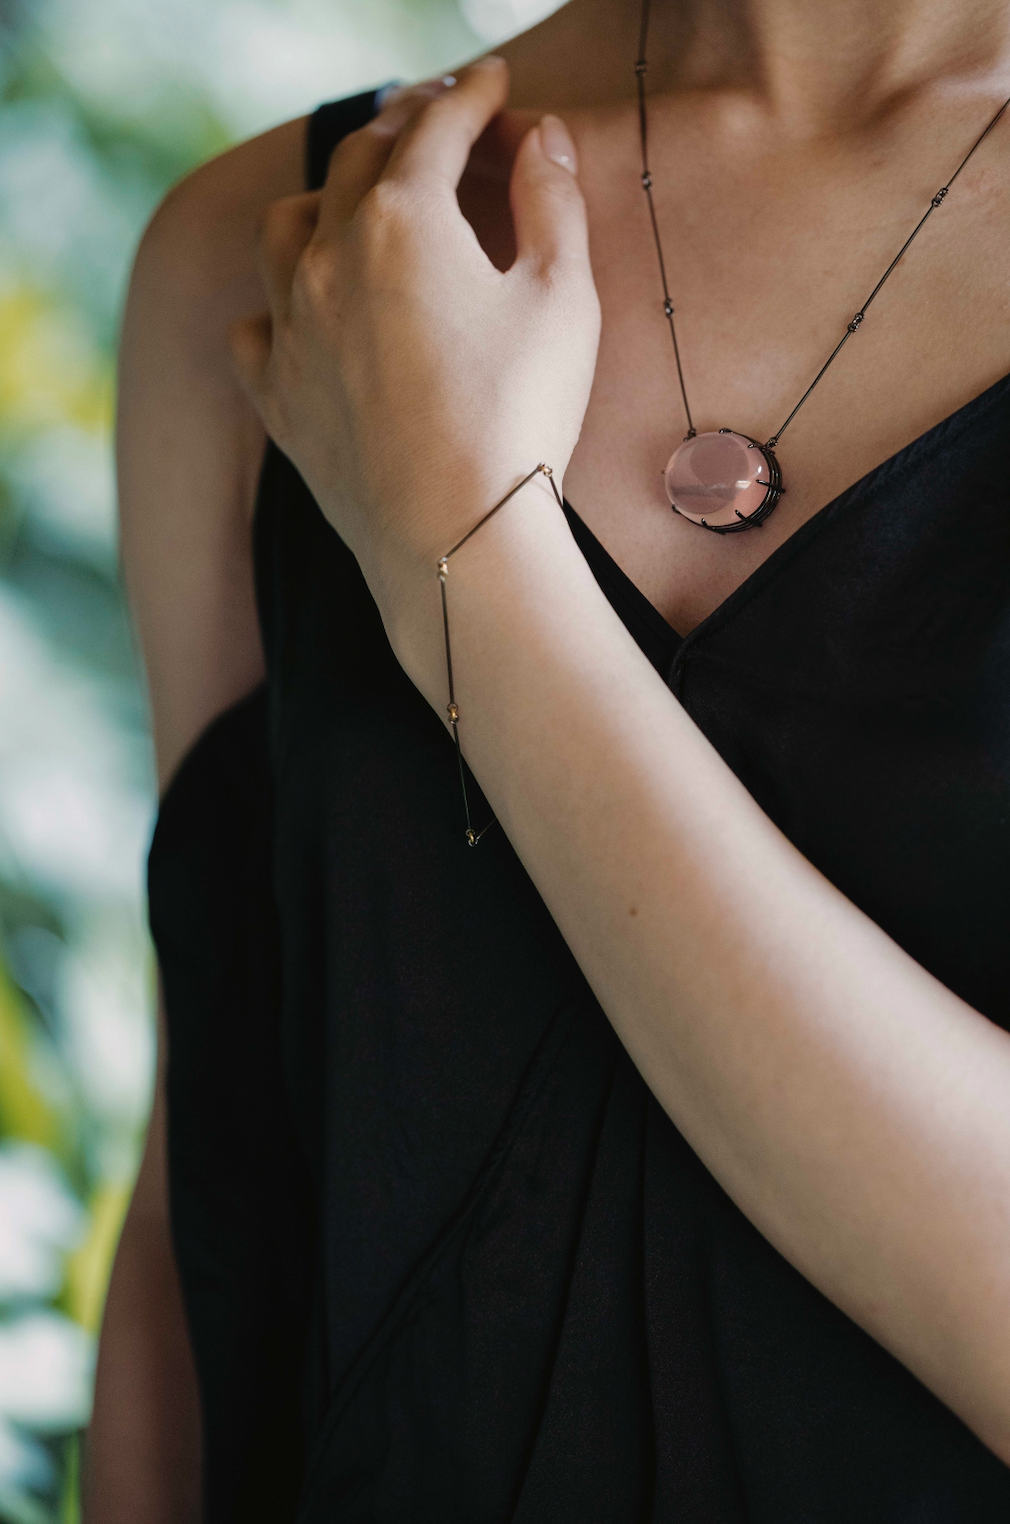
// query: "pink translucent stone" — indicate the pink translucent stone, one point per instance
point(714, 477)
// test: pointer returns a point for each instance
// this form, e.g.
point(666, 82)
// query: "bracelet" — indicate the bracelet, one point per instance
point(452, 708)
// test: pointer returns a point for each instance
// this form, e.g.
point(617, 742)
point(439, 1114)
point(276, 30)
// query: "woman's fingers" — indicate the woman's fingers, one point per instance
point(286, 228)
point(289, 225)
point(435, 146)
point(397, 101)
point(547, 206)
point(360, 158)
point(251, 341)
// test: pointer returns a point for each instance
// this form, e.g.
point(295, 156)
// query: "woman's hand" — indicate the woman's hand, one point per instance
point(410, 381)
point(854, 1108)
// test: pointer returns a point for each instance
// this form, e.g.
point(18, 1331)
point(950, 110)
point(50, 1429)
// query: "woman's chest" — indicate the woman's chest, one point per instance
point(768, 255)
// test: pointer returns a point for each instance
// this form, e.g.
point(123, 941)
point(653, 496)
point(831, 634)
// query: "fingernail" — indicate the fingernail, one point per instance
point(392, 95)
point(387, 93)
point(400, 104)
point(391, 118)
point(489, 61)
point(557, 143)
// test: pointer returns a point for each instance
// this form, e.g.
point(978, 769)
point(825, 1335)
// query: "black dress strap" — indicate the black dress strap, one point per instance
point(327, 126)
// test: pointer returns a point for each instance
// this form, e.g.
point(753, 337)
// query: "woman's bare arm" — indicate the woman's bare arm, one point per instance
point(853, 1107)
point(143, 1450)
point(189, 447)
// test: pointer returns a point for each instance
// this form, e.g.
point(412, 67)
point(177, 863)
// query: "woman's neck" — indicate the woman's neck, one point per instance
point(815, 65)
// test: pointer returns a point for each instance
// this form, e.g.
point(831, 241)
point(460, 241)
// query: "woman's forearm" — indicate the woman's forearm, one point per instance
point(142, 1458)
point(853, 1107)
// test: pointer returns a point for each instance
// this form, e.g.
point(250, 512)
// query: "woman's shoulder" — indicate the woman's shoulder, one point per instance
point(189, 443)
point(206, 224)
point(203, 232)
point(198, 251)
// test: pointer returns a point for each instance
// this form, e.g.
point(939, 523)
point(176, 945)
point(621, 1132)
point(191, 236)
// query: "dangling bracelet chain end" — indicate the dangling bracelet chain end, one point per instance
point(452, 708)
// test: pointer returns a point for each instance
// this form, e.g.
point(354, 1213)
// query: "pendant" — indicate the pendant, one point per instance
point(724, 482)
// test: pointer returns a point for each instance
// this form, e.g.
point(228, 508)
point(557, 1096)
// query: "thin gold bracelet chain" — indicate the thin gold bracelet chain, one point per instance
point(452, 708)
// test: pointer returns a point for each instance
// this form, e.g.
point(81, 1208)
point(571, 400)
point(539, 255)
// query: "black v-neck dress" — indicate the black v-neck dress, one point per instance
point(444, 1257)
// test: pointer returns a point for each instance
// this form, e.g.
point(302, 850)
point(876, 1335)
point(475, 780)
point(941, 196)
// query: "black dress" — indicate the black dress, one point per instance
point(444, 1257)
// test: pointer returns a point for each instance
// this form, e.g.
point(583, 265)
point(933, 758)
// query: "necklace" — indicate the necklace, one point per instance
point(726, 481)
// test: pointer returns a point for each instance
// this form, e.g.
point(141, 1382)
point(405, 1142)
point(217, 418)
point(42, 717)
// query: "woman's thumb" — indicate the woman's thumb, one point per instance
point(547, 206)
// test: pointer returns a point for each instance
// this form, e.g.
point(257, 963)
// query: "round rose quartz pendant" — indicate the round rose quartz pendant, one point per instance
point(725, 481)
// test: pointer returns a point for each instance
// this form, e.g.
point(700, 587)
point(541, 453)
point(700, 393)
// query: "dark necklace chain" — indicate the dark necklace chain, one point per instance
point(641, 67)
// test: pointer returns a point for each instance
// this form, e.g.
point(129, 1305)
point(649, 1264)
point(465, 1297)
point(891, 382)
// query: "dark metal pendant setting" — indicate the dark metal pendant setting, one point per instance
point(723, 481)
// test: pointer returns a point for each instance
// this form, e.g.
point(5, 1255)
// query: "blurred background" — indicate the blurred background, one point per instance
point(104, 104)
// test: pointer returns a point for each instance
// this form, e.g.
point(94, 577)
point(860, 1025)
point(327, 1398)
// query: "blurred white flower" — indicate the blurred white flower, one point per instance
point(40, 1220)
point(45, 1372)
